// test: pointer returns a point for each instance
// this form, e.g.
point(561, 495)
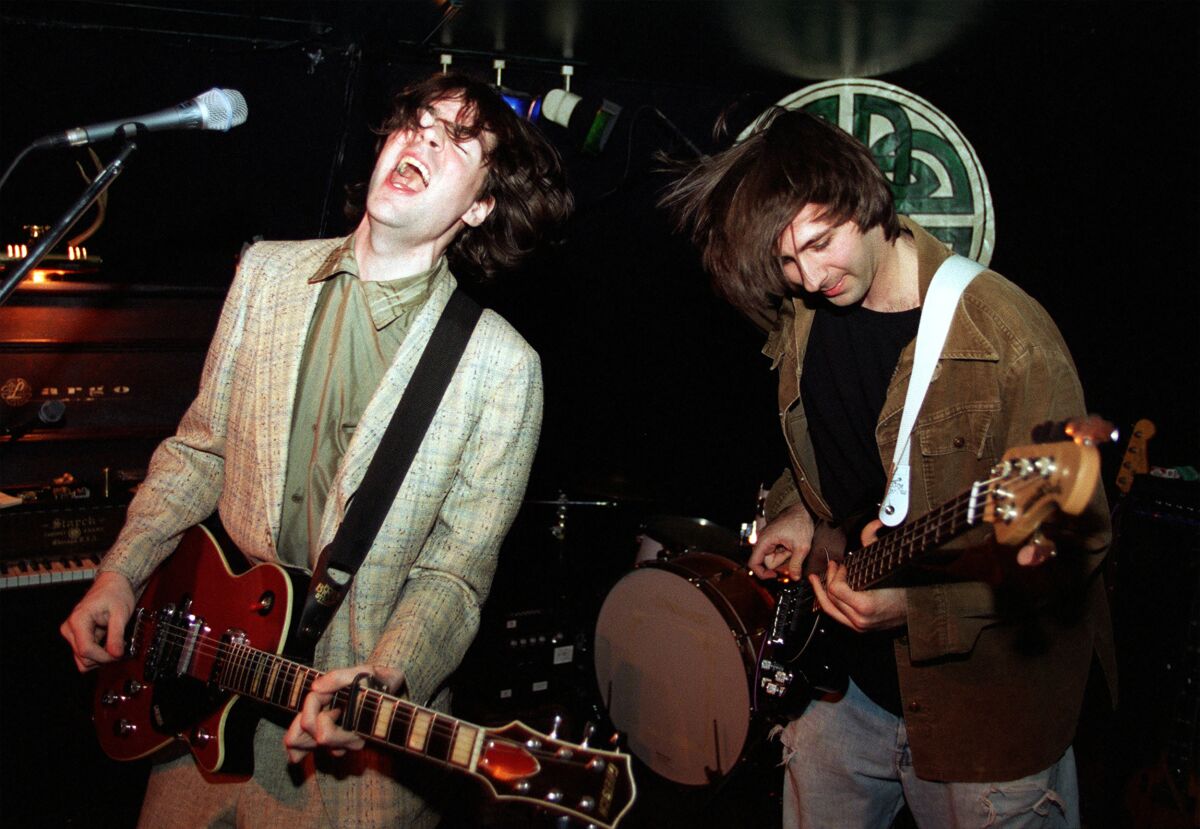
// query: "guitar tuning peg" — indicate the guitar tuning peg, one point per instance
point(589, 729)
point(554, 731)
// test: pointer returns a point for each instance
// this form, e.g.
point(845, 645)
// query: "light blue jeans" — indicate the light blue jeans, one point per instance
point(848, 765)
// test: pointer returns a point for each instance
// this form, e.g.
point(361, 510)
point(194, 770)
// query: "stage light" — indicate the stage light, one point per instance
point(591, 120)
point(527, 106)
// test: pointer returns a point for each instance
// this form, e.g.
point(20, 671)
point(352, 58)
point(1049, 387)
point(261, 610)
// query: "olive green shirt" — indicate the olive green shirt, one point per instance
point(356, 329)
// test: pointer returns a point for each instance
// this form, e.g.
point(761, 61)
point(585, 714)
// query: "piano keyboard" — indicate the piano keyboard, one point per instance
point(31, 572)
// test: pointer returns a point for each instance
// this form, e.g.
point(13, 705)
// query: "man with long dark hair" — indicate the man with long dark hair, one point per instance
point(965, 688)
point(314, 348)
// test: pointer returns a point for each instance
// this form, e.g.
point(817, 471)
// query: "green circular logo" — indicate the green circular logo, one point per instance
point(935, 175)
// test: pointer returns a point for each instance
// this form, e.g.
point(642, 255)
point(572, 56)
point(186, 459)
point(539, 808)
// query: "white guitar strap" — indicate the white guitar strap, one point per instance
point(948, 284)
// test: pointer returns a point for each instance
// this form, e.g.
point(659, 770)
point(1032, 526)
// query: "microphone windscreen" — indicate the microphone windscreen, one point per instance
point(222, 109)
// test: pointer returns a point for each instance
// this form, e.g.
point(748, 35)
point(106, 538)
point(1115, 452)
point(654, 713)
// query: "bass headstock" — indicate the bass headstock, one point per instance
point(1032, 482)
point(1136, 460)
point(591, 785)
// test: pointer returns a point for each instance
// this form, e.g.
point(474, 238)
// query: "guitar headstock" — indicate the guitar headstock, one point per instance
point(591, 785)
point(1136, 460)
point(1031, 482)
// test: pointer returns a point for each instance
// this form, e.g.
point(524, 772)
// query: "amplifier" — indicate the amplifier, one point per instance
point(524, 664)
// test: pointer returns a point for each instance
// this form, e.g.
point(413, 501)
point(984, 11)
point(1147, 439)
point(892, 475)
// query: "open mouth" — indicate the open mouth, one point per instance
point(413, 174)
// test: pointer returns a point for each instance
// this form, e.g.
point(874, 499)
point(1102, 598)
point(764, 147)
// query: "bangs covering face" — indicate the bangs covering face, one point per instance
point(524, 174)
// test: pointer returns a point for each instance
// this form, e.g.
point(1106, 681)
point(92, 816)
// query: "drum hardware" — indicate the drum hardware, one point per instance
point(559, 529)
point(750, 529)
point(665, 536)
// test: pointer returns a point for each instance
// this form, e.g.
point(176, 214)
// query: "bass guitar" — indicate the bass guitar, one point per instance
point(1028, 485)
point(204, 641)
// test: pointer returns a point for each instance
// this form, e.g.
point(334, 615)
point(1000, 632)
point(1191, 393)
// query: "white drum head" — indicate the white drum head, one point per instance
point(671, 671)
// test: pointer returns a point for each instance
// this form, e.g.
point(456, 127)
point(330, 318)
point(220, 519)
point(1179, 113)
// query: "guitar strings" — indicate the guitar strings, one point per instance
point(900, 546)
point(239, 658)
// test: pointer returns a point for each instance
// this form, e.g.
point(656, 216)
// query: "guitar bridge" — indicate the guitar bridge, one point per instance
point(172, 643)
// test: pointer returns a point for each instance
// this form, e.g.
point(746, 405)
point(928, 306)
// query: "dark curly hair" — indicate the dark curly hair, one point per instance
point(525, 175)
point(737, 203)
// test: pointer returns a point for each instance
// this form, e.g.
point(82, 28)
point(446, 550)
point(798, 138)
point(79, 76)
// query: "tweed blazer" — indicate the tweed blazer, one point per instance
point(415, 601)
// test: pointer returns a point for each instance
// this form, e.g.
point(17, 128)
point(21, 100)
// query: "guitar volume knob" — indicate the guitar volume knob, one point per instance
point(123, 728)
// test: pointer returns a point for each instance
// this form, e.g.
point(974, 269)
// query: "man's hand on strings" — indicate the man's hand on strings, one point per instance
point(96, 627)
point(860, 610)
point(318, 723)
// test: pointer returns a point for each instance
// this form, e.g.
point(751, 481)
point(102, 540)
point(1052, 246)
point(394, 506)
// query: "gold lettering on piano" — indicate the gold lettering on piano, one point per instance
point(383, 717)
point(419, 734)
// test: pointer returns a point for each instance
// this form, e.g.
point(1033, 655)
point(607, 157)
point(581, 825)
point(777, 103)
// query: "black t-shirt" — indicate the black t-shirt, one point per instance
point(851, 357)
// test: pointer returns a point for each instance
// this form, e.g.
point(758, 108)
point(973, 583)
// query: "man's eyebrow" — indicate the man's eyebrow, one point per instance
point(816, 238)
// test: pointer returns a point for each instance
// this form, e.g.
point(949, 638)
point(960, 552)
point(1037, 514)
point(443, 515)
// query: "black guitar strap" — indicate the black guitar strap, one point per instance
point(340, 559)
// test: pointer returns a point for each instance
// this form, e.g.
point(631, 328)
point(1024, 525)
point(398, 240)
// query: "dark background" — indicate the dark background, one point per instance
point(1083, 114)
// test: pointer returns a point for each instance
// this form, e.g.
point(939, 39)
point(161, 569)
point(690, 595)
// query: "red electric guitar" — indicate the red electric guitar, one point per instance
point(204, 641)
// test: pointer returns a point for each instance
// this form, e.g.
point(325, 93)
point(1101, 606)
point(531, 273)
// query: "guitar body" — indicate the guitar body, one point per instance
point(205, 657)
point(145, 702)
point(800, 659)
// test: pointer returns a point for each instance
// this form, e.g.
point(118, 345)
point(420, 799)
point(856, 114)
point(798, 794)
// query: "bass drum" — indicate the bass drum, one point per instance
point(676, 647)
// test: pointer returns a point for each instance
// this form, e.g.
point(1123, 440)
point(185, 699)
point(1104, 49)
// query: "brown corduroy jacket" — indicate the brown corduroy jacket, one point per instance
point(994, 662)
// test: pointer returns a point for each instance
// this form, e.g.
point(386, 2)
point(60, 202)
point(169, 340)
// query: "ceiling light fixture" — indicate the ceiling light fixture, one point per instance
point(591, 119)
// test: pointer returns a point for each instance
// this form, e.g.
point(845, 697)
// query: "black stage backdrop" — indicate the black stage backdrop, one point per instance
point(1083, 114)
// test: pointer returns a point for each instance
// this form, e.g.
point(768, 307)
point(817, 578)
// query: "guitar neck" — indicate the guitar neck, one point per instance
point(379, 717)
point(876, 562)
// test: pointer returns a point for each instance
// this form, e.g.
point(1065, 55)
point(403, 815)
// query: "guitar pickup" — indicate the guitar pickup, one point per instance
point(194, 629)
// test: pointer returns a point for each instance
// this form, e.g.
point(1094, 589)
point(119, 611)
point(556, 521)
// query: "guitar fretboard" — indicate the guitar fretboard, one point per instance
point(875, 562)
point(378, 716)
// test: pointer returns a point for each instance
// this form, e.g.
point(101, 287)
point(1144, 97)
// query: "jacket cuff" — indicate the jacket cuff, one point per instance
point(783, 494)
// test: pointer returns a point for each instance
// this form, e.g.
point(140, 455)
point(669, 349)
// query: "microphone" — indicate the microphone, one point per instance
point(216, 109)
point(50, 413)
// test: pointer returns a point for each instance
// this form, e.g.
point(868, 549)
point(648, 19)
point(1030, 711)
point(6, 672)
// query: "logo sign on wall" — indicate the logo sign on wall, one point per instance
point(935, 175)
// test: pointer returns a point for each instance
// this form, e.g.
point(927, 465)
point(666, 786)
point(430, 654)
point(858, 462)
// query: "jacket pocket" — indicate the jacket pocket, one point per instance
point(957, 447)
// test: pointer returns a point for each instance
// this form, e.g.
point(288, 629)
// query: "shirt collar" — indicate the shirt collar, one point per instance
point(387, 300)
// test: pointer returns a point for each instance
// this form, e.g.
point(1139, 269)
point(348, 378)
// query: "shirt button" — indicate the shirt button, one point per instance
point(297, 499)
point(914, 706)
point(959, 442)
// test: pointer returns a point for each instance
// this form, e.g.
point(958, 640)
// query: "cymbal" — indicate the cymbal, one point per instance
point(568, 502)
point(678, 533)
